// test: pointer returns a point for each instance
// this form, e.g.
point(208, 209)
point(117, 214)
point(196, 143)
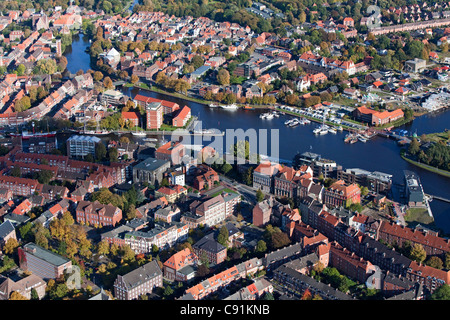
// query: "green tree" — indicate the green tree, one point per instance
point(100, 151)
point(259, 195)
point(222, 237)
point(435, 262)
point(441, 293)
point(223, 77)
point(103, 247)
point(34, 294)
point(261, 246)
point(418, 253)
point(414, 147)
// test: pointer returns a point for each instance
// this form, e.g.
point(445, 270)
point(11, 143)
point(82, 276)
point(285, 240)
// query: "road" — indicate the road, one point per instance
point(247, 192)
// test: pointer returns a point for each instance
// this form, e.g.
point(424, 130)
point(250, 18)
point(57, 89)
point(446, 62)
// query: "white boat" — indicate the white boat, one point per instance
point(288, 122)
point(294, 123)
point(230, 107)
point(321, 130)
point(97, 133)
point(362, 139)
point(150, 139)
point(267, 116)
point(340, 128)
point(213, 105)
point(139, 133)
point(332, 130)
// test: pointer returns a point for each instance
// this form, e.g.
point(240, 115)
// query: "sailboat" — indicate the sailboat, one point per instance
point(139, 133)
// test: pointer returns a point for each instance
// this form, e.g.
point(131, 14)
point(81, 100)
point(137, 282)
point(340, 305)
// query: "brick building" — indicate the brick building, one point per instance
point(340, 195)
point(181, 266)
point(140, 281)
point(96, 213)
point(42, 262)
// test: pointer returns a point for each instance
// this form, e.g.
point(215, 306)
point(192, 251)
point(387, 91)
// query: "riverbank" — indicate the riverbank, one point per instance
point(427, 167)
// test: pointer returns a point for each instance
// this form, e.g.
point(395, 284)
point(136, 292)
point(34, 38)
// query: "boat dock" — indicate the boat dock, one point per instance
point(430, 196)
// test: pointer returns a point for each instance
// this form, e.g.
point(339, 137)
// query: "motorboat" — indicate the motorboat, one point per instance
point(332, 130)
point(230, 107)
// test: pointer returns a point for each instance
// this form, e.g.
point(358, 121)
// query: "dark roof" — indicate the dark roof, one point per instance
point(150, 164)
point(6, 228)
point(326, 291)
point(208, 243)
point(283, 253)
point(142, 274)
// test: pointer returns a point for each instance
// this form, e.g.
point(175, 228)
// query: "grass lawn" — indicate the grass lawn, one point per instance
point(419, 215)
point(227, 190)
point(345, 101)
point(444, 173)
point(438, 136)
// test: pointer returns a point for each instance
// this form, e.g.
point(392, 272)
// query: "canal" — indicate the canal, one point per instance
point(379, 154)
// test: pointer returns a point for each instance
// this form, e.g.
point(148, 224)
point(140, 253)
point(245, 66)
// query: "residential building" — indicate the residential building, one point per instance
point(181, 119)
point(154, 115)
point(23, 286)
point(263, 176)
point(140, 281)
point(81, 146)
point(181, 266)
point(204, 177)
point(172, 151)
point(210, 249)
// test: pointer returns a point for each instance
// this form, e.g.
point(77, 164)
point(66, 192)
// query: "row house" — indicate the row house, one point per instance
point(212, 284)
point(348, 263)
point(20, 186)
point(341, 66)
point(429, 277)
point(29, 168)
point(309, 237)
point(393, 233)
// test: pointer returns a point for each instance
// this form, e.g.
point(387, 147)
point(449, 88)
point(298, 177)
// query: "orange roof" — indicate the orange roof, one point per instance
point(183, 113)
point(130, 115)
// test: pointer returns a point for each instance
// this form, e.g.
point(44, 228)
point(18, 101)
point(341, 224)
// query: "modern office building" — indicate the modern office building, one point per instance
point(42, 262)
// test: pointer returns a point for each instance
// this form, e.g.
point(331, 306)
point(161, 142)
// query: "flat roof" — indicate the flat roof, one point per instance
point(45, 254)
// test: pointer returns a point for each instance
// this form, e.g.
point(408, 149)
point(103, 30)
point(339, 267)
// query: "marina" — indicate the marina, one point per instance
point(378, 154)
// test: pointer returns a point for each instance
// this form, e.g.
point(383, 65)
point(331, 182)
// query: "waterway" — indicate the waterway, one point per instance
point(77, 57)
point(379, 154)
